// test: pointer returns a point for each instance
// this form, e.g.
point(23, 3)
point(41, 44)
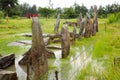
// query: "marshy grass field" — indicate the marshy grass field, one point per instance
point(106, 45)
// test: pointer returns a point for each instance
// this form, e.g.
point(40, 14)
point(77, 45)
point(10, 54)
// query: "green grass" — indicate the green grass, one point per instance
point(106, 48)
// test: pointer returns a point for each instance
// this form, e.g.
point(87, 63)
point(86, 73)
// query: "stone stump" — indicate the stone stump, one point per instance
point(38, 56)
point(74, 33)
point(81, 29)
point(8, 75)
point(65, 41)
point(57, 24)
point(95, 21)
point(79, 19)
point(88, 25)
point(7, 61)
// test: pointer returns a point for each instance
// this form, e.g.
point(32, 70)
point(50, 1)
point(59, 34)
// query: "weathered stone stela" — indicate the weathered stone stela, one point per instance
point(57, 24)
point(65, 41)
point(38, 52)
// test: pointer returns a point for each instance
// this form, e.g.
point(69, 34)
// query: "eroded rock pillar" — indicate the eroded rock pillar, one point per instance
point(38, 52)
point(65, 41)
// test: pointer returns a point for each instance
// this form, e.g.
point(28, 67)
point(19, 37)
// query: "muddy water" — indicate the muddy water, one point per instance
point(67, 70)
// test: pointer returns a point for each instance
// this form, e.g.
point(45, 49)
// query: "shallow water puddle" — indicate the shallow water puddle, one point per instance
point(78, 61)
point(20, 43)
point(69, 70)
point(15, 44)
point(57, 64)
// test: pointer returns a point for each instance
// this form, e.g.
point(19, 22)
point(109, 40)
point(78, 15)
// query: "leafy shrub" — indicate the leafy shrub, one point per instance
point(1, 14)
point(15, 17)
point(113, 17)
point(118, 16)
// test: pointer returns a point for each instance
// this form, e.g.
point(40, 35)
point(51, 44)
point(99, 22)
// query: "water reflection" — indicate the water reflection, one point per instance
point(57, 64)
point(65, 72)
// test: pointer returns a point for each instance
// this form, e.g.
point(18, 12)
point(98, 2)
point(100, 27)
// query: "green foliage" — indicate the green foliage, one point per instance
point(113, 17)
point(16, 17)
point(26, 8)
point(108, 9)
point(101, 12)
point(7, 4)
point(80, 9)
point(1, 14)
point(116, 42)
point(58, 11)
point(46, 12)
point(69, 13)
point(15, 11)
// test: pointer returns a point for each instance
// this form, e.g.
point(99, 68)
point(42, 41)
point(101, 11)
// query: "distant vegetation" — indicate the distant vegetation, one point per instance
point(72, 12)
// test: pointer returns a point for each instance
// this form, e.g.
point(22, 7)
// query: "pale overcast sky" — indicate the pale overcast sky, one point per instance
point(68, 3)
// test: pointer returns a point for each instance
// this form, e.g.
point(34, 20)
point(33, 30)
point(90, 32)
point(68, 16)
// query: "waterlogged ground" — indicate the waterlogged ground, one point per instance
point(68, 68)
point(86, 61)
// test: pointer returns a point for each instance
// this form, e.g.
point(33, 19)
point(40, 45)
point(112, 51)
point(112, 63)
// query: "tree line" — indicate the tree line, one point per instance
point(13, 8)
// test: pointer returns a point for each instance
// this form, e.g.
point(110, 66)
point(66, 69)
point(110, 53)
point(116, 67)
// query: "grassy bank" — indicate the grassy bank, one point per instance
point(9, 31)
point(106, 48)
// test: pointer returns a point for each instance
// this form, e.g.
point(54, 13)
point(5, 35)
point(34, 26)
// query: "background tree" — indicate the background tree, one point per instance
point(33, 9)
point(7, 4)
point(77, 8)
point(16, 11)
point(25, 8)
point(101, 12)
point(58, 11)
point(46, 12)
point(69, 13)
point(83, 10)
point(80, 9)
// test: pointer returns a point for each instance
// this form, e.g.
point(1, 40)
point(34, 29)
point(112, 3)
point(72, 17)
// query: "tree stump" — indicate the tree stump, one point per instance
point(7, 61)
point(65, 41)
point(57, 24)
point(8, 75)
